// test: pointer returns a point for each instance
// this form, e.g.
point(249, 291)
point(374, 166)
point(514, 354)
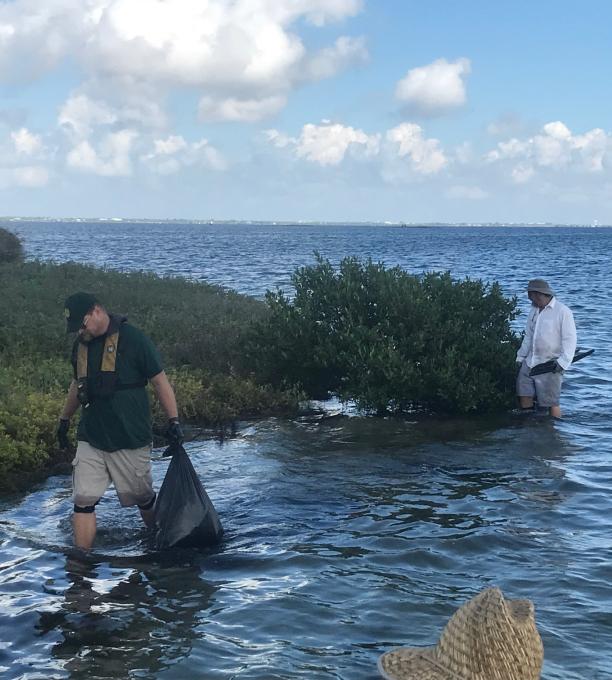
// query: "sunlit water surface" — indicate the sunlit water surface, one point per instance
point(345, 536)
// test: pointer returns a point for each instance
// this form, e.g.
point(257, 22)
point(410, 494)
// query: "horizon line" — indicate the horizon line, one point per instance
point(290, 222)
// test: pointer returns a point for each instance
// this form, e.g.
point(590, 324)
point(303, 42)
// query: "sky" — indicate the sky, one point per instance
point(307, 110)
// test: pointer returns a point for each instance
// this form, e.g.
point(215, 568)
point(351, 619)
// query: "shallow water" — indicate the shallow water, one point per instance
point(344, 536)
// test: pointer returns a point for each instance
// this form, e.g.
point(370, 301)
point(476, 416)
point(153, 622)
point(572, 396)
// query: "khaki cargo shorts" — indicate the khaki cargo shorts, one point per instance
point(129, 470)
point(546, 387)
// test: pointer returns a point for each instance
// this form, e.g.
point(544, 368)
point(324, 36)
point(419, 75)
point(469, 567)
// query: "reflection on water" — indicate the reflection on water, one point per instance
point(114, 620)
point(344, 537)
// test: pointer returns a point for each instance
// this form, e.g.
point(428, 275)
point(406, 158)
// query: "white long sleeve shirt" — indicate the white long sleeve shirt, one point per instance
point(550, 334)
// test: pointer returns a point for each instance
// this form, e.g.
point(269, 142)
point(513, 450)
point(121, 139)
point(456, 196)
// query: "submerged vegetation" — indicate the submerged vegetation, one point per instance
point(387, 340)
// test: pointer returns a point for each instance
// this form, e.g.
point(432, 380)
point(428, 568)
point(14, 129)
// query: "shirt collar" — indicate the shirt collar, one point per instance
point(550, 305)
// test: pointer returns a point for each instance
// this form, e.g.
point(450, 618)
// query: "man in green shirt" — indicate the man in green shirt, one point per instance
point(112, 362)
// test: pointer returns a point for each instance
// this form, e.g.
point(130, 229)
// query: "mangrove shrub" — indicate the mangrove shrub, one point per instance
point(11, 249)
point(389, 340)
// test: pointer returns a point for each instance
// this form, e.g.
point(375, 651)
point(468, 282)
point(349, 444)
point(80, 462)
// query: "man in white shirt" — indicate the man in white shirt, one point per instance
point(550, 335)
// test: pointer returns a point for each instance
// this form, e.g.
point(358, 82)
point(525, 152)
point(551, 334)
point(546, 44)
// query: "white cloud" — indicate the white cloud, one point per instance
point(26, 143)
point(319, 12)
point(279, 139)
point(169, 146)
point(81, 114)
point(425, 155)
point(557, 130)
point(233, 109)
point(464, 153)
point(522, 173)
point(205, 154)
point(550, 151)
point(513, 148)
point(174, 153)
point(245, 56)
point(31, 176)
point(436, 88)
point(594, 148)
point(330, 60)
point(34, 36)
point(111, 159)
point(23, 160)
point(327, 144)
point(400, 155)
point(556, 148)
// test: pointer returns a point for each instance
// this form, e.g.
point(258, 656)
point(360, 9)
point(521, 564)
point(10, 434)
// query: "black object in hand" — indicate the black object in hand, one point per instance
point(62, 433)
point(174, 433)
point(184, 514)
point(553, 364)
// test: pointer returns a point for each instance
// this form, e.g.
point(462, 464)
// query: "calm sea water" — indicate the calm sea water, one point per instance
point(345, 536)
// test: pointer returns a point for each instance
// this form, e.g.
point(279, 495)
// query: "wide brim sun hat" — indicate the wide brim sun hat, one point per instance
point(539, 286)
point(488, 638)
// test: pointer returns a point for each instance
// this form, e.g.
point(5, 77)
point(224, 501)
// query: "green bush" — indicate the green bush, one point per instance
point(11, 249)
point(27, 434)
point(388, 340)
point(215, 399)
point(194, 324)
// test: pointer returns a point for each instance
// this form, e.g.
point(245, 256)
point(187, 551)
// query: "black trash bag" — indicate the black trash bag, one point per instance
point(184, 514)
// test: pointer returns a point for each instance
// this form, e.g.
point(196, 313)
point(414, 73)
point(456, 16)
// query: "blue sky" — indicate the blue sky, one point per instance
point(340, 110)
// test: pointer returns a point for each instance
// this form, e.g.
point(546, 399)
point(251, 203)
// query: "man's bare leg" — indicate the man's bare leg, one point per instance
point(147, 512)
point(84, 525)
point(148, 517)
point(526, 402)
point(555, 411)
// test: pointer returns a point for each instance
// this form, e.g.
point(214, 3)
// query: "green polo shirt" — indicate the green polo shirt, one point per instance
point(122, 421)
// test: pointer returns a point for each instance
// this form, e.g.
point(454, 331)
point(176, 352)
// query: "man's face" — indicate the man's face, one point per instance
point(538, 299)
point(93, 324)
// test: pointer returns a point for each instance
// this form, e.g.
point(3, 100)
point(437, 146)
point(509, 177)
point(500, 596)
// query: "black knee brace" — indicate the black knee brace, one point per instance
point(150, 504)
point(86, 509)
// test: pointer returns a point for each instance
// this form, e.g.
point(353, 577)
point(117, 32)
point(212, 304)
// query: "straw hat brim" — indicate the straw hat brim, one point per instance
point(413, 663)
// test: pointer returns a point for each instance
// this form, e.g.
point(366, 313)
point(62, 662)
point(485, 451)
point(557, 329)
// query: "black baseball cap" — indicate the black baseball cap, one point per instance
point(77, 306)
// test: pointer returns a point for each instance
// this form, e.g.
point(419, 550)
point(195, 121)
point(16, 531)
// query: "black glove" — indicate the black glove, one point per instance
point(174, 433)
point(62, 433)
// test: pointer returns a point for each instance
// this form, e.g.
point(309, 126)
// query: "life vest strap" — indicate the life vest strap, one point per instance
point(82, 361)
point(109, 354)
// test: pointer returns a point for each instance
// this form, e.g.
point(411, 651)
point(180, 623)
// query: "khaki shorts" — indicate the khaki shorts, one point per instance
point(546, 387)
point(129, 470)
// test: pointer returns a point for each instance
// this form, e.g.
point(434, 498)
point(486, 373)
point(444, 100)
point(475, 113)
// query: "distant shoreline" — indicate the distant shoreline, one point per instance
point(298, 223)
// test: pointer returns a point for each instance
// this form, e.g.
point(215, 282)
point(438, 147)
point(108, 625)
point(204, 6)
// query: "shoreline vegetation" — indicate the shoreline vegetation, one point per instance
point(198, 329)
point(389, 341)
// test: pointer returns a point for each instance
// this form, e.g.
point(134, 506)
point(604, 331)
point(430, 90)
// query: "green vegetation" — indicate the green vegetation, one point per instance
point(388, 340)
point(385, 339)
point(197, 327)
point(11, 249)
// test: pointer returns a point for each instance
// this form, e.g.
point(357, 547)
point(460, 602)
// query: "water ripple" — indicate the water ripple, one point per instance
point(344, 536)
